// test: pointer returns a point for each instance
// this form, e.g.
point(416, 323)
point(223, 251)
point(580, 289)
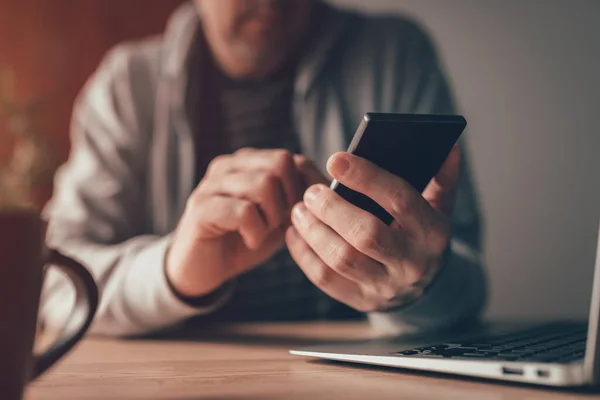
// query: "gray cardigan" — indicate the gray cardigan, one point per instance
point(132, 165)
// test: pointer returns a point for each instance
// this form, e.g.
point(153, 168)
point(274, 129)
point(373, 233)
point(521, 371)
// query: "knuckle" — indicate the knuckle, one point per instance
point(368, 235)
point(366, 243)
point(303, 164)
point(301, 160)
point(401, 200)
point(283, 159)
point(322, 276)
point(245, 210)
point(344, 259)
point(208, 185)
point(217, 163)
point(267, 183)
point(194, 199)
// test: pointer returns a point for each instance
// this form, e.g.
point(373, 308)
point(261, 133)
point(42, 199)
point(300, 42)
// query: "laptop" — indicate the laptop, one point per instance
point(558, 353)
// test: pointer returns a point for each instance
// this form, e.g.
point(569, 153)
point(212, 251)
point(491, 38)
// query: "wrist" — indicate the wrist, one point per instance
point(418, 289)
point(183, 281)
point(197, 299)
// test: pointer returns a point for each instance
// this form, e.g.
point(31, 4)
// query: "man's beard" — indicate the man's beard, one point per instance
point(259, 60)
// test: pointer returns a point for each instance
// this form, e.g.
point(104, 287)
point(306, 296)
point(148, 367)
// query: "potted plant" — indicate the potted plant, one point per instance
point(27, 160)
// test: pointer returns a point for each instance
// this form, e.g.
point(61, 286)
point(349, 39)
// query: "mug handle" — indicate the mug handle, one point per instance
point(86, 303)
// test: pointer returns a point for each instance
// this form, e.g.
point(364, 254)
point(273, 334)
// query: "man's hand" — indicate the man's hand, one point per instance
point(353, 256)
point(236, 217)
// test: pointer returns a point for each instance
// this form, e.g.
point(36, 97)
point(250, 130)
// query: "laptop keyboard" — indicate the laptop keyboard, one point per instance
point(556, 343)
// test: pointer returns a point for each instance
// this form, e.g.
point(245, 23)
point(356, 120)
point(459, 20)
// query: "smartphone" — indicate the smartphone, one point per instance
point(410, 146)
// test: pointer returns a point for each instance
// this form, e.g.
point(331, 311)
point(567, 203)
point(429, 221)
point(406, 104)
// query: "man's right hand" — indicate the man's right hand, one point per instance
point(236, 218)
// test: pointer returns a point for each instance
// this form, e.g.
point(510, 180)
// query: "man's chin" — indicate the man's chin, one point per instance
point(258, 62)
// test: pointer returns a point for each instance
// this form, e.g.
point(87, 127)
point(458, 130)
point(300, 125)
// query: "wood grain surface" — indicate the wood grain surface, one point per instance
point(252, 362)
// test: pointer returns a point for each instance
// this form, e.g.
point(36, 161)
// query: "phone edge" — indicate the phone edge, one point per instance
point(362, 127)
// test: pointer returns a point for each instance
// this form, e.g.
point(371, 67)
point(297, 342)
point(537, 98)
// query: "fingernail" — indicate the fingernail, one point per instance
point(311, 194)
point(340, 166)
point(298, 213)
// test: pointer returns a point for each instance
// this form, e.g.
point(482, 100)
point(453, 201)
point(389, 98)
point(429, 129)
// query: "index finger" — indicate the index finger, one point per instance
point(279, 162)
point(391, 192)
point(440, 193)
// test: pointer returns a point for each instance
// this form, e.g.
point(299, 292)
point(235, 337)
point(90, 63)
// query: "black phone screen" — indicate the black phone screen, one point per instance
point(410, 146)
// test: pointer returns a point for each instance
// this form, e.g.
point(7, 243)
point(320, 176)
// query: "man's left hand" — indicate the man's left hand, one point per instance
point(354, 257)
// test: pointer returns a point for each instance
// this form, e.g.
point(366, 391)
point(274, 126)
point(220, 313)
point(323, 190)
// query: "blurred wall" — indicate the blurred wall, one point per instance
point(527, 77)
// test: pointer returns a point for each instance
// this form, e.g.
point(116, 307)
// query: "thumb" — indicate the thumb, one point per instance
point(441, 191)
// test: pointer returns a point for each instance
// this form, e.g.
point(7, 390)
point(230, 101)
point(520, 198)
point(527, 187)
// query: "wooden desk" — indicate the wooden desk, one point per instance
point(249, 362)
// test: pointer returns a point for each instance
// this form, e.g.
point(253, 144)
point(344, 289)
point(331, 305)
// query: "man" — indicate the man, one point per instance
point(186, 183)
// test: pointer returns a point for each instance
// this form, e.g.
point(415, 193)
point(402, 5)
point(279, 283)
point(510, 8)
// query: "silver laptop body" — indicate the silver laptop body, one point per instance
point(581, 368)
